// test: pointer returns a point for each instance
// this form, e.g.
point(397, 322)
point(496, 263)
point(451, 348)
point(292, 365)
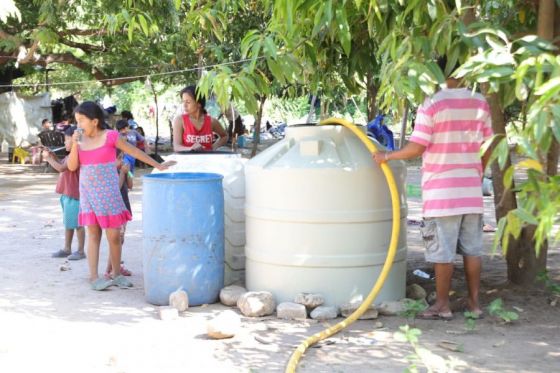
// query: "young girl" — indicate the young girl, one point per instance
point(101, 203)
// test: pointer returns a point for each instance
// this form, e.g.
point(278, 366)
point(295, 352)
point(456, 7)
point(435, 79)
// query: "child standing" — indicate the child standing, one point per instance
point(125, 183)
point(101, 203)
point(67, 187)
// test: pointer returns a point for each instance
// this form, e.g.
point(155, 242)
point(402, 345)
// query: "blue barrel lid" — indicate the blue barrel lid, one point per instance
point(182, 177)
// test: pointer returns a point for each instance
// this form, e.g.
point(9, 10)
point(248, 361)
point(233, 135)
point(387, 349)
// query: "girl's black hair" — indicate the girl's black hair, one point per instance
point(127, 114)
point(191, 91)
point(92, 111)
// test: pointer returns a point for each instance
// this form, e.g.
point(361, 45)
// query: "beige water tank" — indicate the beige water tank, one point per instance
point(318, 218)
point(231, 167)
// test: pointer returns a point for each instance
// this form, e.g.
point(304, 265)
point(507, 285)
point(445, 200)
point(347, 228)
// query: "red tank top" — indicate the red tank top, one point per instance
point(191, 135)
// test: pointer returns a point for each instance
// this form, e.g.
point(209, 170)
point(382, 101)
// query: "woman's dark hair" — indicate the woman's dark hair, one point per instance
point(126, 114)
point(191, 91)
point(92, 111)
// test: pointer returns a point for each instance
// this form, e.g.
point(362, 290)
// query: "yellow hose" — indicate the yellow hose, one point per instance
point(297, 354)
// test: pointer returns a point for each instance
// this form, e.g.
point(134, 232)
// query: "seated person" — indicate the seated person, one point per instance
point(63, 124)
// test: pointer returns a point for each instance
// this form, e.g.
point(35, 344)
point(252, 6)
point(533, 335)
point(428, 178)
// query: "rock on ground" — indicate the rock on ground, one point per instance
point(291, 311)
point(324, 313)
point(347, 309)
point(256, 303)
point(230, 294)
point(415, 292)
point(225, 325)
point(310, 301)
point(392, 308)
point(179, 300)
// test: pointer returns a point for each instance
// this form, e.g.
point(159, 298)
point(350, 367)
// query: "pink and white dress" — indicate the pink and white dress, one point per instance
point(101, 202)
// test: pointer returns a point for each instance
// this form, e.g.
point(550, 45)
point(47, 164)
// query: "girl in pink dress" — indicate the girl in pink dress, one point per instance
point(101, 203)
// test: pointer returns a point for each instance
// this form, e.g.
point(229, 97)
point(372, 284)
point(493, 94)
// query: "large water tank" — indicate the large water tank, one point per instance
point(232, 168)
point(319, 218)
point(183, 244)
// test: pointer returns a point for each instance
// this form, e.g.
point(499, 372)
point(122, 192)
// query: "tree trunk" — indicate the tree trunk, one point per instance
point(371, 97)
point(258, 126)
point(523, 264)
point(522, 260)
point(504, 200)
point(554, 152)
point(157, 118)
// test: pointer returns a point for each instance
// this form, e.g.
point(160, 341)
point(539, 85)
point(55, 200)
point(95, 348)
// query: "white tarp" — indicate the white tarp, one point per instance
point(21, 116)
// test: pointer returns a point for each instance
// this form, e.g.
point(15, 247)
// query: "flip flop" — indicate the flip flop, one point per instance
point(60, 254)
point(122, 282)
point(101, 284)
point(124, 271)
point(435, 315)
point(76, 256)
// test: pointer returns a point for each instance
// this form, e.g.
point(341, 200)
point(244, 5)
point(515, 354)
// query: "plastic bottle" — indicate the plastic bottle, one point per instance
point(422, 274)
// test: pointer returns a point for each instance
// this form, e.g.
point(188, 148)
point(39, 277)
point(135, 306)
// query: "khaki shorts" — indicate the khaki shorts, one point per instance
point(447, 236)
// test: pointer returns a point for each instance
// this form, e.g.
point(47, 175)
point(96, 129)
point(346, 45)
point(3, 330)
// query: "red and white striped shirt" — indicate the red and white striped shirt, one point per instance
point(452, 124)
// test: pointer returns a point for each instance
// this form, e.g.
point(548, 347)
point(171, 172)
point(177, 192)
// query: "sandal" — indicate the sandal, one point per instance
point(431, 314)
point(61, 254)
point(122, 282)
point(101, 284)
point(124, 271)
point(76, 256)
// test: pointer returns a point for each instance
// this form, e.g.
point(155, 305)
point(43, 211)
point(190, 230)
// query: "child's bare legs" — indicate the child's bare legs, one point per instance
point(94, 239)
point(115, 248)
point(81, 233)
point(68, 235)
point(109, 269)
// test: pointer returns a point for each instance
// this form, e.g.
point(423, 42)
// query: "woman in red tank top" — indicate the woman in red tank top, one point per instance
point(194, 129)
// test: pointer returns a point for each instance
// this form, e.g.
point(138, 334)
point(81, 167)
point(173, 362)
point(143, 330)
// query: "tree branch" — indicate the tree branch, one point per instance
point(28, 54)
point(83, 32)
point(83, 46)
point(70, 59)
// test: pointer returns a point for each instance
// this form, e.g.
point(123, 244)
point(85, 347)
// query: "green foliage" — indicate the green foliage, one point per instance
point(412, 308)
point(421, 355)
point(470, 320)
point(496, 308)
point(549, 284)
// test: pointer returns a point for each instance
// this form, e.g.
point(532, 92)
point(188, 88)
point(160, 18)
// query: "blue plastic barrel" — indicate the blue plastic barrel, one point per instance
point(183, 245)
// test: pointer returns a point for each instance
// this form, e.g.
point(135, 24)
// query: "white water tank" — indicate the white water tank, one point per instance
point(231, 167)
point(318, 218)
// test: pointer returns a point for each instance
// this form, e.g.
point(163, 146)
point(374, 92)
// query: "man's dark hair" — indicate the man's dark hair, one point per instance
point(44, 121)
point(442, 63)
point(127, 114)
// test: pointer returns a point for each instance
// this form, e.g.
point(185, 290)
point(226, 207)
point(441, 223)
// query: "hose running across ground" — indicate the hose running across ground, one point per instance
point(300, 350)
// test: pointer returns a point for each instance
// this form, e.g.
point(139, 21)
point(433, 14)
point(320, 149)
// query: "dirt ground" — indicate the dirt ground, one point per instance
point(51, 321)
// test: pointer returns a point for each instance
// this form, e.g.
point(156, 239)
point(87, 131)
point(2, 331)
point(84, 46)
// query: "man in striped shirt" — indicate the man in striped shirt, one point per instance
point(450, 129)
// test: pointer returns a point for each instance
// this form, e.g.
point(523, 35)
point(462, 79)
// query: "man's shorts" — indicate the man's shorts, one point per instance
point(448, 236)
point(70, 210)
